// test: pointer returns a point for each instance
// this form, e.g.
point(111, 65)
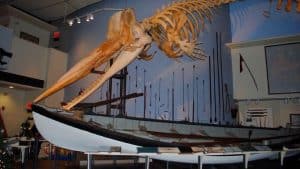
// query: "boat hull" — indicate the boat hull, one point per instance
point(72, 138)
point(85, 138)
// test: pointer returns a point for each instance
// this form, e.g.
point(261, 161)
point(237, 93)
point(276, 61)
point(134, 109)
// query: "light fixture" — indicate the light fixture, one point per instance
point(11, 87)
point(89, 16)
point(78, 20)
point(70, 22)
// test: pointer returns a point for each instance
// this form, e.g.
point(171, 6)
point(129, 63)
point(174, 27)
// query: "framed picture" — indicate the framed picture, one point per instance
point(283, 68)
point(295, 120)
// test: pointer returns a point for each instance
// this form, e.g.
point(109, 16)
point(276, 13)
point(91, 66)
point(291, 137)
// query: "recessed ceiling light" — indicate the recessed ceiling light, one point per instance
point(11, 87)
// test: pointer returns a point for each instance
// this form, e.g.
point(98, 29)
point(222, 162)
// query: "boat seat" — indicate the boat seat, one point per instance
point(196, 149)
point(185, 150)
point(168, 150)
point(142, 128)
point(173, 130)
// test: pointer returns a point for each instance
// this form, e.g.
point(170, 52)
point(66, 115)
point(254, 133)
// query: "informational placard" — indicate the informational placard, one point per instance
point(295, 120)
point(283, 67)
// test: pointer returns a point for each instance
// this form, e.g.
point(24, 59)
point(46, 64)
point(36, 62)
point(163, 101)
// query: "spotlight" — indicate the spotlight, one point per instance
point(78, 20)
point(88, 18)
point(91, 17)
point(70, 22)
point(11, 87)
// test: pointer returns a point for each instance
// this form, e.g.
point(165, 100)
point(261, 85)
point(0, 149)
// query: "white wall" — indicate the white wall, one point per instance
point(254, 55)
point(57, 66)
point(14, 113)
point(281, 109)
point(15, 100)
point(244, 89)
point(28, 59)
point(18, 25)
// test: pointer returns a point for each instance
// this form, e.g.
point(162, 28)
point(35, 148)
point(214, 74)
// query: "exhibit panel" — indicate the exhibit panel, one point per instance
point(252, 66)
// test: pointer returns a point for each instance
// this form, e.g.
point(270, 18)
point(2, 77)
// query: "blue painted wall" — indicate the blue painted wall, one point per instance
point(249, 23)
point(80, 39)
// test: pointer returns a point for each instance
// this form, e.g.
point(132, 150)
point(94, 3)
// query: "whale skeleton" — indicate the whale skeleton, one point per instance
point(175, 29)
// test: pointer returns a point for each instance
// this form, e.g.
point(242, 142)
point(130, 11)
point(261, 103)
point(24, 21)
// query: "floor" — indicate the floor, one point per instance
point(290, 163)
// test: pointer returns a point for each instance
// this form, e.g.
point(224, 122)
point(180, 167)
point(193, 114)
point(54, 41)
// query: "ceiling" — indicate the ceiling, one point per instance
point(49, 10)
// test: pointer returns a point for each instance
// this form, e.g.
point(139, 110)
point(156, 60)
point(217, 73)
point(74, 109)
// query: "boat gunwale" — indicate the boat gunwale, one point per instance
point(184, 122)
point(124, 137)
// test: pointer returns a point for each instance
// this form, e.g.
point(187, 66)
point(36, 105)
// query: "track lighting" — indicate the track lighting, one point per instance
point(90, 16)
point(78, 20)
point(70, 22)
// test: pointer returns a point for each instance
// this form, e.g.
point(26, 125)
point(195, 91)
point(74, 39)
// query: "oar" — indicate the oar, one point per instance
point(136, 86)
point(173, 112)
point(218, 73)
point(221, 86)
point(242, 60)
point(168, 102)
point(136, 78)
point(117, 95)
point(159, 84)
point(145, 93)
point(129, 84)
point(135, 107)
point(214, 77)
point(150, 103)
point(183, 89)
point(188, 100)
point(193, 104)
point(227, 97)
point(101, 93)
point(203, 93)
point(155, 112)
point(197, 102)
point(210, 93)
